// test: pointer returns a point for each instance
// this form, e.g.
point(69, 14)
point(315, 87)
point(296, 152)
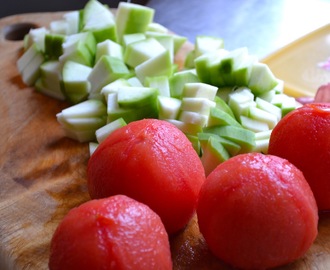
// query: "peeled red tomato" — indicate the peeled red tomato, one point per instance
point(303, 138)
point(112, 233)
point(257, 211)
point(153, 162)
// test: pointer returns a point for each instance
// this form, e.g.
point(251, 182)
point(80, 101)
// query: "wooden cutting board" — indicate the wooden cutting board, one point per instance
point(43, 174)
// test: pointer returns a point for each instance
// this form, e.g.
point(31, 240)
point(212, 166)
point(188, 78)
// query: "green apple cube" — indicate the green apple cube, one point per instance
point(168, 107)
point(88, 108)
point(199, 90)
point(161, 83)
point(195, 143)
point(197, 104)
point(29, 63)
point(214, 153)
point(109, 47)
point(85, 38)
point(253, 124)
point(159, 65)
point(186, 128)
point(269, 107)
point(135, 97)
point(189, 61)
point(133, 18)
point(99, 20)
point(193, 118)
point(103, 132)
point(178, 81)
point(113, 87)
point(76, 86)
point(140, 51)
point(205, 44)
point(131, 38)
point(53, 45)
point(167, 41)
point(218, 117)
point(261, 79)
point(105, 71)
point(263, 116)
point(279, 88)
point(244, 137)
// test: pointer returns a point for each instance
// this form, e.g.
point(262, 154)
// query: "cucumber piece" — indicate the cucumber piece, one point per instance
point(79, 48)
point(205, 44)
point(105, 71)
point(285, 103)
point(240, 101)
point(113, 87)
point(178, 81)
point(243, 137)
point(214, 153)
point(135, 97)
point(53, 45)
point(254, 125)
point(109, 47)
point(268, 107)
point(36, 36)
point(103, 132)
point(263, 116)
point(168, 107)
point(76, 86)
point(198, 105)
point(92, 147)
point(29, 63)
point(261, 79)
point(160, 65)
point(222, 105)
point(49, 82)
point(88, 108)
point(199, 90)
point(186, 128)
point(195, 143)
point(140, 51)
point(131, 38)
point(81, 121)
point(99, 20)
point(132, 18)
point(193, 118)
point(159, 82)
point(219, 117)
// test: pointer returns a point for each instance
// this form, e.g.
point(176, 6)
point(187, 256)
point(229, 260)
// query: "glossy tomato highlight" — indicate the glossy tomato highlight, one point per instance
point(303, 138)
point(153, 162)
point(257, 212)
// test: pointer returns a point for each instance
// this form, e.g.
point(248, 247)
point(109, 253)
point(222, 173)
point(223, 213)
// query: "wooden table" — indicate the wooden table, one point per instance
point(43, 175)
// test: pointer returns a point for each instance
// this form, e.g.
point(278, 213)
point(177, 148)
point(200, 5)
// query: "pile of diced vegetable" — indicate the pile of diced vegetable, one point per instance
point(119, 67)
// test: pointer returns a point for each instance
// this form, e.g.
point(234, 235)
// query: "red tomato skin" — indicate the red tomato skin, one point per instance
point(257, 211)
point(303, 138)
point(153, 162)
point(112, 233)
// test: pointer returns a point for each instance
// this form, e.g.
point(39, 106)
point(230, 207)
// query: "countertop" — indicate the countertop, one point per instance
point(261, 25)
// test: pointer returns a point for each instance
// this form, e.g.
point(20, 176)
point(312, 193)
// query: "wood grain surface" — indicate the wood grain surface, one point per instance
point(43, 174)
